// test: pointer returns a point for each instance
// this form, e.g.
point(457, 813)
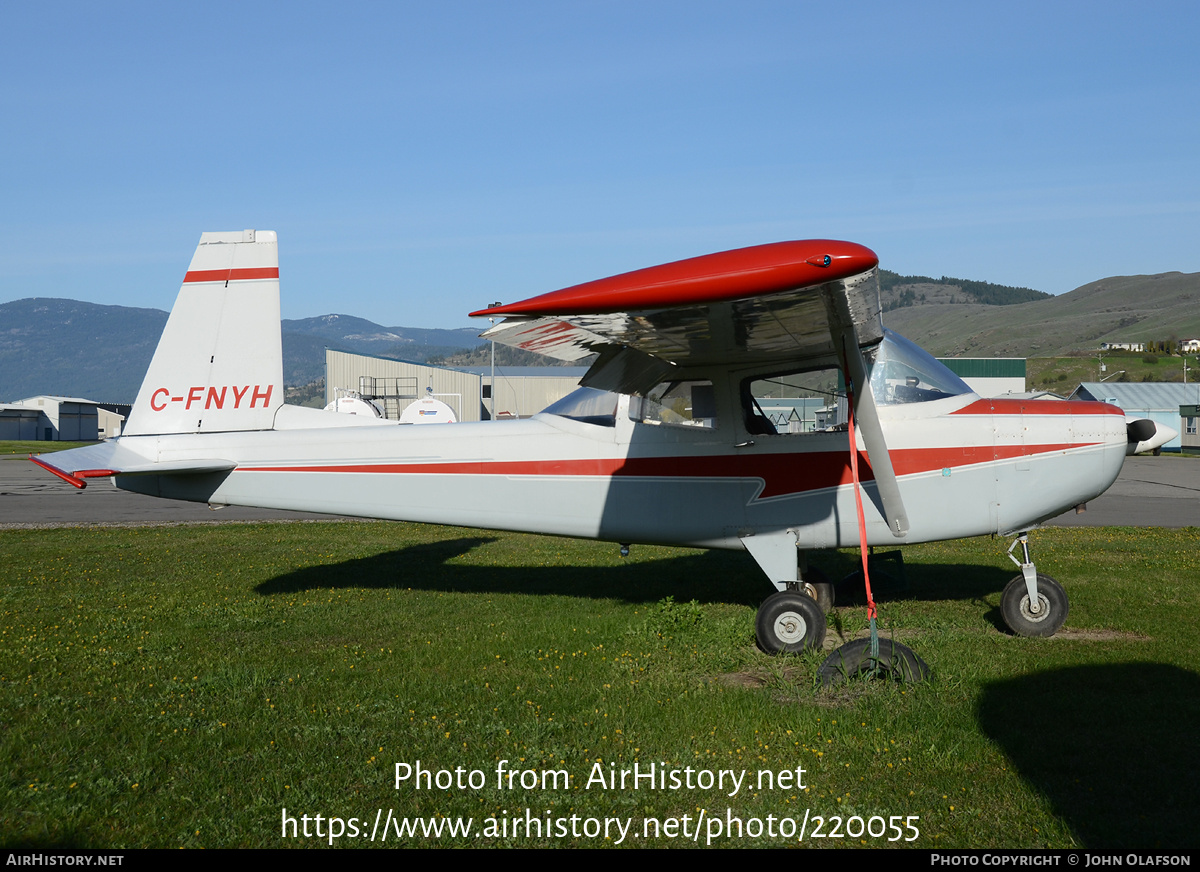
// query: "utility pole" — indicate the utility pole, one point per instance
point(492, 390)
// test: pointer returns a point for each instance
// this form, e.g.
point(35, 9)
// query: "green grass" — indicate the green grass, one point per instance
point(180, 686)
point(1063, 374)
point(8, 446)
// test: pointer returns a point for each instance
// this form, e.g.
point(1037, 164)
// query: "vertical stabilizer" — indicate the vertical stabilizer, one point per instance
point(219, 363)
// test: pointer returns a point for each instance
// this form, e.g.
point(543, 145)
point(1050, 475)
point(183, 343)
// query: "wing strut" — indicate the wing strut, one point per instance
point(841, 324)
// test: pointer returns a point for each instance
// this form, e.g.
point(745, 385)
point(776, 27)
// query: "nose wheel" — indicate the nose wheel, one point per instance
point(1032, 604)
point(1025, 619)
point(789, 622)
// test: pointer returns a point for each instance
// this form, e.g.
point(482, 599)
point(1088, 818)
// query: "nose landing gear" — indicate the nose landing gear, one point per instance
point(1032, 604)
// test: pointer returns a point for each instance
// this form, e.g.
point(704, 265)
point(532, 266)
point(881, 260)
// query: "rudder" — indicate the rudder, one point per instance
point(219, 363)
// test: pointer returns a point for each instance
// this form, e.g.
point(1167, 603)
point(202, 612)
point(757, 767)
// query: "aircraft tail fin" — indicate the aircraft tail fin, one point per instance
point(219, 363)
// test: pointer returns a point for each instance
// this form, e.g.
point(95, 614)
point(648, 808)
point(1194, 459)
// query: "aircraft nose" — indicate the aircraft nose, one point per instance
point(1116, 442)
point(1102, 425)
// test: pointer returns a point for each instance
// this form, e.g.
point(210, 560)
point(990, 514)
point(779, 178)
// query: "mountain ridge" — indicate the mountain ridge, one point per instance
point(51, 345)
point(73, 348)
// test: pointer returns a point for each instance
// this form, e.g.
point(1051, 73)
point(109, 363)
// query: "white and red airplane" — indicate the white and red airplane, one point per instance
point(665, 442)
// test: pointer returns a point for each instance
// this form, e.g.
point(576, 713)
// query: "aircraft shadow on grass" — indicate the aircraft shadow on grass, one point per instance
point(1110, 746)
point(704, 576)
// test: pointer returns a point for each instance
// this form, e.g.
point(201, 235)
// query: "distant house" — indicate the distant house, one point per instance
point(1189, 436)
point(794, 414)
point(1122, 346)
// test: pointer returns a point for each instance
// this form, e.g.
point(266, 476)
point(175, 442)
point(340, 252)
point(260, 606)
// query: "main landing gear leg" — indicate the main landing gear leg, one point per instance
point(814, 583)
point(1032, 604)
point(793, 618)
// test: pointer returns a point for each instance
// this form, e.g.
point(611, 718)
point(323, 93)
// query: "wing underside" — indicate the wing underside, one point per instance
point(788, 303)
point(784, 302)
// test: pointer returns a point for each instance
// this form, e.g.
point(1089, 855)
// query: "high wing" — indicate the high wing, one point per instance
point(787, 302)
point(784, 302)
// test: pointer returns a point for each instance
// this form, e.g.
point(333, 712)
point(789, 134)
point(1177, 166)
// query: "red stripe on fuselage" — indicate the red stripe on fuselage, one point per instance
point(231, 275)
point(781, 474)
point(1038, 407)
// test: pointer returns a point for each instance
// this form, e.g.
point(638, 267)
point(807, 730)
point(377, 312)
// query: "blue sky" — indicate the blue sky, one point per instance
point(422, 160)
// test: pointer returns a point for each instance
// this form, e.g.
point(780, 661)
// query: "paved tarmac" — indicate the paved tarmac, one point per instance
point(32, 497)
point(1151, 492)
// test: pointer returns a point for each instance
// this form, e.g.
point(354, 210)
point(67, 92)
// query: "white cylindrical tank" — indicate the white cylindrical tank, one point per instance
point(427, 410)
point(350, 404)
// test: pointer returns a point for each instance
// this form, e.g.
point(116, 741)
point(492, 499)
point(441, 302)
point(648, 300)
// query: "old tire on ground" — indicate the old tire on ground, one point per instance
point(817, 585)
point(1052, 607)
point(789, 622)
point(896, 662)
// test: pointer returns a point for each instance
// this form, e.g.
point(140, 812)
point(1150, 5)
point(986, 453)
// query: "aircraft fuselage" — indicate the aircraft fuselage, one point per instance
point(973, 466)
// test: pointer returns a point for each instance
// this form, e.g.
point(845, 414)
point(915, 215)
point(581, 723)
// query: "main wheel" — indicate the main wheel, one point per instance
point(1021, 619)
point(853, 660)
point(816, 585)
point(789, 622)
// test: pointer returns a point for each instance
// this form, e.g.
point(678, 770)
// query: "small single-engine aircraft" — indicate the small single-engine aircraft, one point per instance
point(664, 443)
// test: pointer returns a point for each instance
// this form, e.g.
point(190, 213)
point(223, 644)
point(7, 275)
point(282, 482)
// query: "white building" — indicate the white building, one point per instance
point(520, 391)
point(65, 419)
point(1158, 401)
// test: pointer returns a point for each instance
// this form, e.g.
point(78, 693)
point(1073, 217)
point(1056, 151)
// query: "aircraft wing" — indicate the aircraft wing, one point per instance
point(111, 458)
point(786, 301)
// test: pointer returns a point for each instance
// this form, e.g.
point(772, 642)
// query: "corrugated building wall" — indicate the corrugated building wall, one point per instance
point(459, 390)
point(989, 376)
point(521, 391)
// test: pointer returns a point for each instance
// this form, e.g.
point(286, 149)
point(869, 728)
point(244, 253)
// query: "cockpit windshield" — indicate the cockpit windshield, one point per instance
point(588, 405)
point(901, 372)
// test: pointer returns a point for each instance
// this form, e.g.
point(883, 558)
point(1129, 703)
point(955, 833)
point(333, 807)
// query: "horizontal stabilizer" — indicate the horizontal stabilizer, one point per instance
point(110, 458)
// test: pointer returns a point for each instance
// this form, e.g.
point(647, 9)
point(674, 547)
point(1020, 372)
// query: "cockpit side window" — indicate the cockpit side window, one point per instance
point(815, 400)
point(691, 403)
point(808, 401)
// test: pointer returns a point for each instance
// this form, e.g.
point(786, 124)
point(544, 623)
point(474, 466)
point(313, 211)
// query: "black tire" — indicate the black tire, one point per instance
point(853, 660)
point(1014, 607)
point(817, 585)
point(788, 623)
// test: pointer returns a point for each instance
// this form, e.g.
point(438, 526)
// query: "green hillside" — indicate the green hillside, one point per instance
point(898, 292)
point(1118, 309)
point(69, 348)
